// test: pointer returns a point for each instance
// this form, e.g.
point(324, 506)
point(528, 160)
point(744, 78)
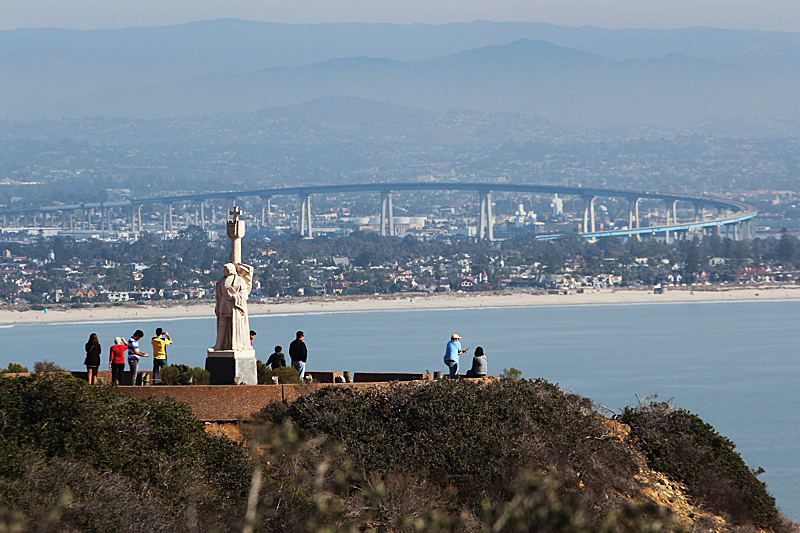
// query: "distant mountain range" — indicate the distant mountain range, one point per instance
point(585, 76)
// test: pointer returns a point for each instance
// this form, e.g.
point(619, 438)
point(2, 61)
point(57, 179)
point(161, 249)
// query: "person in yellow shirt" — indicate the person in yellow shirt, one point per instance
point(160, 342)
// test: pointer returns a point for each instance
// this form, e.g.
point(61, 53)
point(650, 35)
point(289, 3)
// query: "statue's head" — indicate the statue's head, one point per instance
point(229, 269)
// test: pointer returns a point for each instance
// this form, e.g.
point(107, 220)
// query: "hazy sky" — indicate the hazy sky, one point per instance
point(92, 14)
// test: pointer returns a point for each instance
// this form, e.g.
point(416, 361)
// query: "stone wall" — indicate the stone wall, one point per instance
point(226, 403)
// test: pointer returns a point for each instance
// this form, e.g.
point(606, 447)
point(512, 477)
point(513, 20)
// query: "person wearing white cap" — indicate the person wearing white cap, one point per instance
point(452, 353)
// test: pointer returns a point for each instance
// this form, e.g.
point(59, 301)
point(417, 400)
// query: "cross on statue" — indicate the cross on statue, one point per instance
point(235, 233)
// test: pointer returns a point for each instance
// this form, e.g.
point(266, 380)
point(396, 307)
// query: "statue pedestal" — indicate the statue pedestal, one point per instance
point(229, 366)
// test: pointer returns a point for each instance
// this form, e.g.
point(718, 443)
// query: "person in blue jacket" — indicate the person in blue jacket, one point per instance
point(452, 353)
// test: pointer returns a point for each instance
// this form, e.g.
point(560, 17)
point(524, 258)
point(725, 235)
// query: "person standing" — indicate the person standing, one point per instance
point(277, 359)
point(298, 353)
point(252, 337)
point(134, 354)
point(452, 353)
point(116, 361)
point(92, 361)
point(159, 342)
point(480, 367)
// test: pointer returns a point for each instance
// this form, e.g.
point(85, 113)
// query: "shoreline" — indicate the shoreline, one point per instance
point(407, 302)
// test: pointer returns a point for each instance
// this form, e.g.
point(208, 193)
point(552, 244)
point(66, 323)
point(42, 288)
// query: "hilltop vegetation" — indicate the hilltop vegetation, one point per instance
point(446, 456)
point(89, 459)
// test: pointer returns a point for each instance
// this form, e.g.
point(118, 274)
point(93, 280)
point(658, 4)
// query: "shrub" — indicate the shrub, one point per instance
point(200, 376)
point(285, 374)
point(688, 450)
point(512, 374)
point(311, 485)
point(14, 368)
point(184, 375)
point(46, 367)
point(74, 457)
point(262, 372)
point(169, 374)
point(469, 436)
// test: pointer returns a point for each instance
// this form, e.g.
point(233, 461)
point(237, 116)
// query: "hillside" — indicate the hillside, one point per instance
point(447, 456)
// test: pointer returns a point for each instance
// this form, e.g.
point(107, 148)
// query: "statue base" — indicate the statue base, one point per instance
point(232, 367)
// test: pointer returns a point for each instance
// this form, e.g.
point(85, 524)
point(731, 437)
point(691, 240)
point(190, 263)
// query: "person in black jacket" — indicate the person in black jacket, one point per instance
point(299, 354)
point(92, 360)
point(277, 359)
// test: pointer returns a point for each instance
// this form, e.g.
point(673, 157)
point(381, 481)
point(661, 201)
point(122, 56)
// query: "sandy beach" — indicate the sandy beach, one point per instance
point(159, 310)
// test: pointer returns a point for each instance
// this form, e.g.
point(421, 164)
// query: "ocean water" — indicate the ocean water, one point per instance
point(735, 364)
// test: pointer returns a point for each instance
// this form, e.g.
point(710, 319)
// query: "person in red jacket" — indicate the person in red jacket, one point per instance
point(116, 362)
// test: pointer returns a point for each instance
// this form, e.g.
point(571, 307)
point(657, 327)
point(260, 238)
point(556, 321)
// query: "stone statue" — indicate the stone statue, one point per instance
point(233, 324)
point(232, 359)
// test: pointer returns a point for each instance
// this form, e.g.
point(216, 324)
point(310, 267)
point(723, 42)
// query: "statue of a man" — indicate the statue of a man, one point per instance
point(233, 324)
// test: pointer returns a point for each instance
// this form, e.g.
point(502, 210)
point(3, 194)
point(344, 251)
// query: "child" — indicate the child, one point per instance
point(277, 359)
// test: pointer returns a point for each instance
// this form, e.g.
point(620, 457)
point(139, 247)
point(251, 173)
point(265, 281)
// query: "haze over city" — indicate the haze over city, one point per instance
point(782, 15)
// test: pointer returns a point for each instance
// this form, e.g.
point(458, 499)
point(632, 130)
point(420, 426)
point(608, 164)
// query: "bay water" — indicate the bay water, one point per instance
point(734, 364)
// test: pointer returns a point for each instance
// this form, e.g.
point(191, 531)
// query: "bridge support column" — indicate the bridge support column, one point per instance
point(171, 228)
point(390, 214)
point(482, 217)
point(203, 215)
point(305, 216)
point(671, 209)
point(486, 222)
point(489, 216)
point(387, 213)
point(588, 214)
point(266, 210)
point(164, 220)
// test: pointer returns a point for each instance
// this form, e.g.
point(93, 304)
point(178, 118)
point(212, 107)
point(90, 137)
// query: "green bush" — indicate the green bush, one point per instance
point(184, 375)
point(200, 376)
point(470, 437)
point(169, 374)
point(688, 450)
point(14, 368)
point(313, 485)
point(262, 371)
point(46, 367)
point(74, 457)
point(285, 374)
